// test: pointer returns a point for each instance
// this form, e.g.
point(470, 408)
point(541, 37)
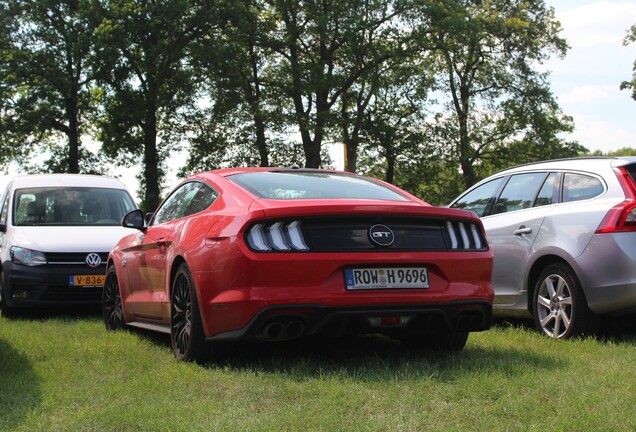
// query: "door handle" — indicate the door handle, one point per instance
point(523, 230)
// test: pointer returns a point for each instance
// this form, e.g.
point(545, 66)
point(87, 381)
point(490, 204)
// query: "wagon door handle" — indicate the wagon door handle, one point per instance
point(523, 230)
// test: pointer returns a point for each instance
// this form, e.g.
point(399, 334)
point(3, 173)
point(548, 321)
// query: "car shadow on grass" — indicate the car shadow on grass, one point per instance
point(20, 391)
point(44, 314)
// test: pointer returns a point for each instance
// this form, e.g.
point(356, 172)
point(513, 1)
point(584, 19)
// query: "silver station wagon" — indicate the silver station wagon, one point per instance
point(563, 234)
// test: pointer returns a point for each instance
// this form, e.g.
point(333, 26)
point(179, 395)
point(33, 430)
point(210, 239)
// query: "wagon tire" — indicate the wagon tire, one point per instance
point(559, 304)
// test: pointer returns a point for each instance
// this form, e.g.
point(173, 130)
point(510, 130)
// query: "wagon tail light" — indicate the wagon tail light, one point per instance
point(278, 236)
point(621, 217)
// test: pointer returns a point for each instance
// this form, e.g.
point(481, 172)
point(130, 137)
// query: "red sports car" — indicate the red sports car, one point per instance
point(277, 254)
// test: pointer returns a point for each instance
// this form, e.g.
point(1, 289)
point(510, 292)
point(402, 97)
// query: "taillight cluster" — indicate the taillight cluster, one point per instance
point(621, 217)
point(464, 235)
point(277, 236)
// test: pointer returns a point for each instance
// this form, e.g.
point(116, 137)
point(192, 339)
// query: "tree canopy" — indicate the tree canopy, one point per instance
point(431, 95)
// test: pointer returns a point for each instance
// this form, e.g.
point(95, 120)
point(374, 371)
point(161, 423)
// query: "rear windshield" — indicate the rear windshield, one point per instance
point(306, 185)
point(76, 206)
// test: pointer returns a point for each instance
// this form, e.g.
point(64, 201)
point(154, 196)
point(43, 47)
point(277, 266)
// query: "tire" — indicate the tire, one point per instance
point(447, 340)
point(7, 311)
point(559, 305)
point(112, 311)
point(186, 329)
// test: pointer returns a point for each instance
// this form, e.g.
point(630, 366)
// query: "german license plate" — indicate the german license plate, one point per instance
point(386, 278)
point(87, 280)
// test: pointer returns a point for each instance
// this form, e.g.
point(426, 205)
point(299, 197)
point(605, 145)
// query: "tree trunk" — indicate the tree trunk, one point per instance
point(151, 173)
point(73, 137)
point(254, 100)
point(352, 155)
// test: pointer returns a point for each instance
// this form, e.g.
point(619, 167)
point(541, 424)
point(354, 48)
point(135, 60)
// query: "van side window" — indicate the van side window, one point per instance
point(577, 187)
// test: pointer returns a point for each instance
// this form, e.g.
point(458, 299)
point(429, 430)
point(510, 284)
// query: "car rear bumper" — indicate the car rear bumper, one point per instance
point(48, 285)
point(607, 272)
point(235, 299)
point(285, 322)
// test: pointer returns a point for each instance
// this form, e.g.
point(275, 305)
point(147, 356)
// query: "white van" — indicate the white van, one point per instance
point(56, 231)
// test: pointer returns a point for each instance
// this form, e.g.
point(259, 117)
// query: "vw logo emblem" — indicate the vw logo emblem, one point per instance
point(93, 260)
point(381, 235)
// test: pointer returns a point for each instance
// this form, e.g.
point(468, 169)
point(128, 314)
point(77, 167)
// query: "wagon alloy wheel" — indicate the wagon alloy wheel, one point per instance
point(111, 302)
point(561, 310)
point(186, 330)
point(554, 306)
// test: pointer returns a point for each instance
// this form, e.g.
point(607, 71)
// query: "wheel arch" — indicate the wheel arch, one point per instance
point(176, 263)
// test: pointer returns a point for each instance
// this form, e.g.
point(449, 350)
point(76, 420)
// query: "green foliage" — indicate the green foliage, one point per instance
point(625, 151)
point(484, 56)
point(431, 95)
point(45, 78)
point(630, 85)
point(141, 59)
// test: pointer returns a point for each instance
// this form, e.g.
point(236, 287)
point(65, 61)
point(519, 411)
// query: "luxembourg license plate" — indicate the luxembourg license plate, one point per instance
point(386, 278)
point(87, 280)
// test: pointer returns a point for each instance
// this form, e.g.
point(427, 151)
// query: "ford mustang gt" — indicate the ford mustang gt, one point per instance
point(277, 254)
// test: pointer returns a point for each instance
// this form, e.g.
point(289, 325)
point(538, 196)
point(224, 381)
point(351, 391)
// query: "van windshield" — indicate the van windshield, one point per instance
point(70, 206)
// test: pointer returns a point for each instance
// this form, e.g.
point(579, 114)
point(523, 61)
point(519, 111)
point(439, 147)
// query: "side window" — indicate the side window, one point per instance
point(546, 194)
point(477, 200)
point(201, 200)
point(578, 187)
point(188, 199)
point(519, 192)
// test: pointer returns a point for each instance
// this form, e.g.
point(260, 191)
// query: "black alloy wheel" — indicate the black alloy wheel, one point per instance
point(186, 329)
point(112, 311)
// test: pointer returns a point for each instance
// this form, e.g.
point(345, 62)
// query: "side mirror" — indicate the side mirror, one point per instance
point(3, 228)
point(134, 219)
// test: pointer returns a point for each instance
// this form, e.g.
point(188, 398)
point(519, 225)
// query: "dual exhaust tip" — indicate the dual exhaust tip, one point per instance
point(283, 330)
point(471, 321)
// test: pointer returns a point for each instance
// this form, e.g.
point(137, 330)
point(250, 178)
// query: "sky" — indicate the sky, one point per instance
point(586, 82)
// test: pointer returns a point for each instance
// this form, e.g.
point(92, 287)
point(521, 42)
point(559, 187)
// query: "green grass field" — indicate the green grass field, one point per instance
point(69, 374)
